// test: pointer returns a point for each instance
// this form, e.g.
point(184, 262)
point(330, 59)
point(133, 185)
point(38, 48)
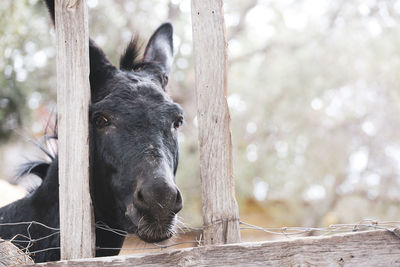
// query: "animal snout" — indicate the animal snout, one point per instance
point(158, 198)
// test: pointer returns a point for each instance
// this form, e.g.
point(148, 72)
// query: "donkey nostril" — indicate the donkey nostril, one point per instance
point(141, 199)
point(178, 203)
point(140, 196)
point(178, 198)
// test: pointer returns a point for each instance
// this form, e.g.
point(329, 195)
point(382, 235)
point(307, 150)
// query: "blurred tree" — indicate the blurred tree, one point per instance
point(314, 94)
point(25, 47)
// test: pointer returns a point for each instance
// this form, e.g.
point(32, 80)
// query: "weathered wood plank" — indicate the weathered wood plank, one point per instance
point(10, 255)
point(370, 248)
point(73, 98)
point(220, 211)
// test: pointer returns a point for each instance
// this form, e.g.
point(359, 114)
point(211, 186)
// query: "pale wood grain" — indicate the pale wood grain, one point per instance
point(220, 210)
point(370, 248)
point(73, 98)
point(10, 255)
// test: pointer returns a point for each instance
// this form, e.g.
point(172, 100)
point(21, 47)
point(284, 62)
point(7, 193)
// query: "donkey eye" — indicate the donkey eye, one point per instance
point(137, 69)
point(178, 122)
point(101, 121)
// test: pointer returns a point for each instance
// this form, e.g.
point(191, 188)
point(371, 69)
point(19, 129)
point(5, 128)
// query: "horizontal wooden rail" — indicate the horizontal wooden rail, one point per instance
point(369, 248)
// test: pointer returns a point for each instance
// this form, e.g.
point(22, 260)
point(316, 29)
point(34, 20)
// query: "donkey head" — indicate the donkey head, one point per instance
point(134, 139)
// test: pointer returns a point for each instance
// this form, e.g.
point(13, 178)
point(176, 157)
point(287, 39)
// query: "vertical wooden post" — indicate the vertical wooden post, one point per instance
point(73, 98)
point(220, 211)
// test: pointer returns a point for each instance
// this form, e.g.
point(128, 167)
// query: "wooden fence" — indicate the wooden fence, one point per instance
point(370, 248)
point(220, 211)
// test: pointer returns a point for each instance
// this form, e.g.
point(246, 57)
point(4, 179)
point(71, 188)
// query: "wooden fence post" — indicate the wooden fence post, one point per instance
point(220, 211)
point(73, 98)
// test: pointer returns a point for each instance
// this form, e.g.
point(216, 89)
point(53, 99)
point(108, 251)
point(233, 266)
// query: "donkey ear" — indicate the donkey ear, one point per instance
point(100, 67)
point(160, 47)
point(100, 70)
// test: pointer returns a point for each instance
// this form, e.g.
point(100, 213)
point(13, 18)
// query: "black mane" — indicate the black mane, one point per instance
point(38, 168)
point(130, 58)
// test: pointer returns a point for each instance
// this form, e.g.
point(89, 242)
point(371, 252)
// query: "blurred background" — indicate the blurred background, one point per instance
point(314, 95)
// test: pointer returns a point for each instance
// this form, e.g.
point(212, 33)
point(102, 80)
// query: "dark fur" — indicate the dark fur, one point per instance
point(134, 155)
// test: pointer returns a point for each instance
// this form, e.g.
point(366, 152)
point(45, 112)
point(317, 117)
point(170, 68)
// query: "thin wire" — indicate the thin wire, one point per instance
point(29, 223)
point(362, 225)
point(33, 240)
point(334, 228)
point(43, 250)
point(157, 246)
point(104, 226)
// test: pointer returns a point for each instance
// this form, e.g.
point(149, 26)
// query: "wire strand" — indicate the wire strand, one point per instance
point(288, 232)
